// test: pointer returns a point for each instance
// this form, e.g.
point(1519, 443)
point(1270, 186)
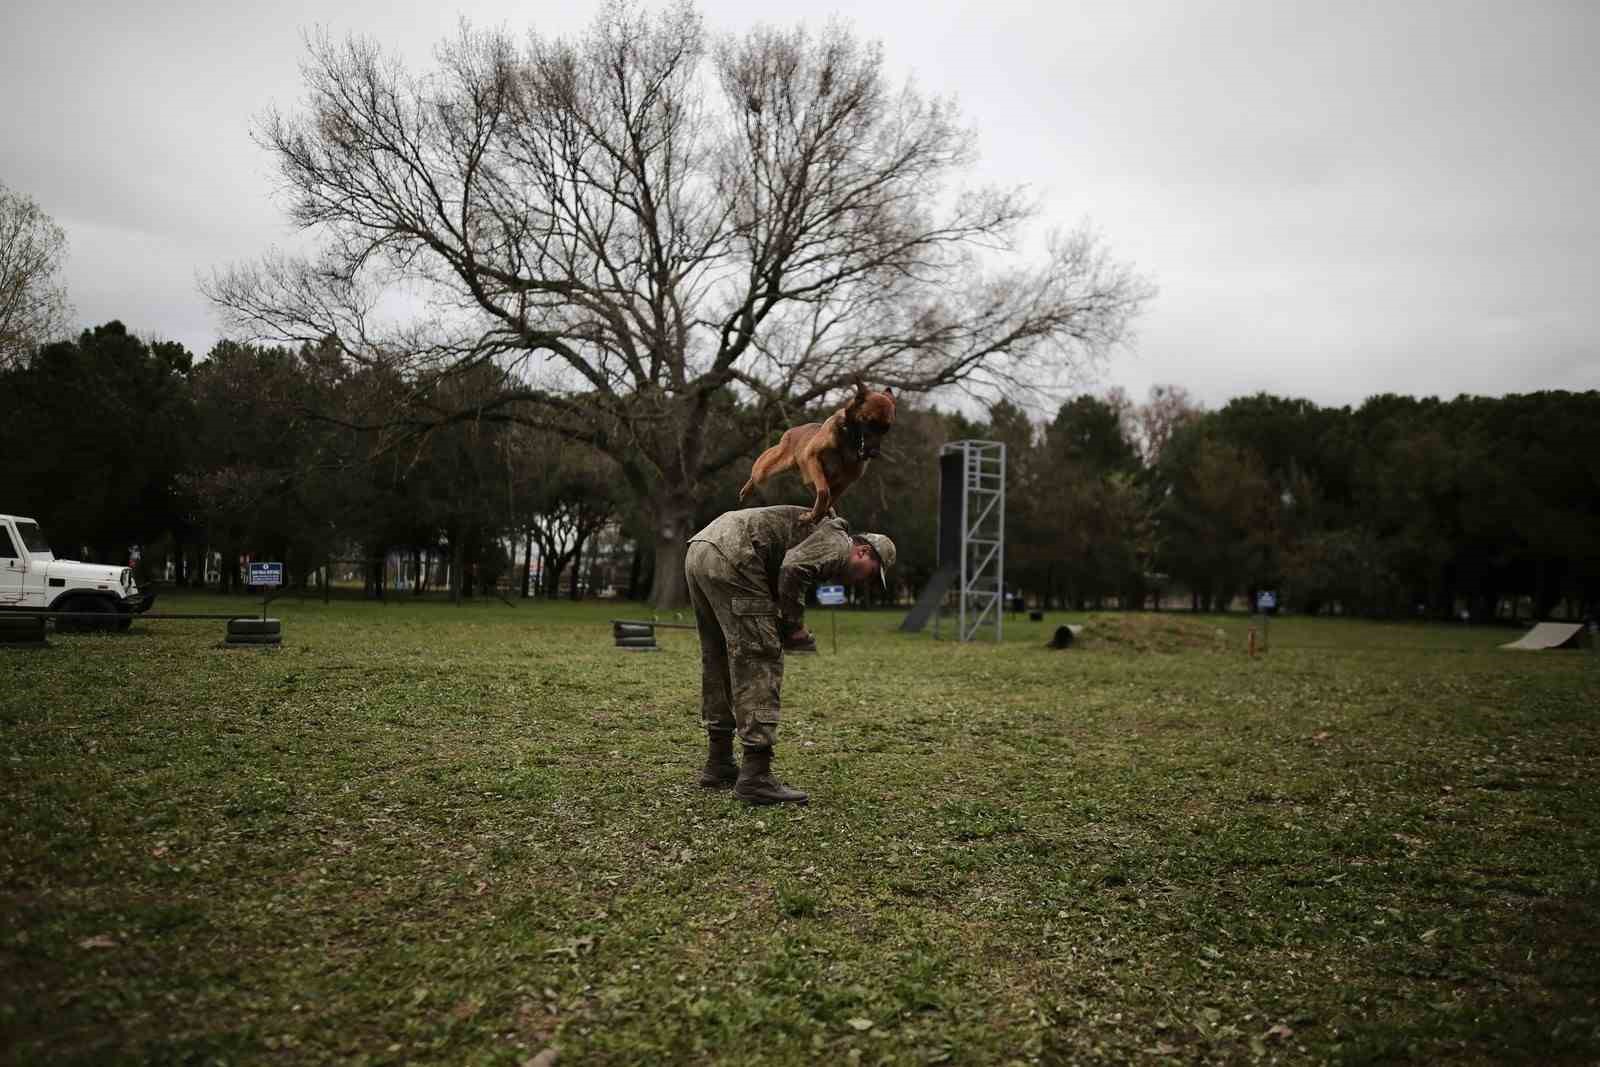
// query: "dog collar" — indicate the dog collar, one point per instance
point(857, 435)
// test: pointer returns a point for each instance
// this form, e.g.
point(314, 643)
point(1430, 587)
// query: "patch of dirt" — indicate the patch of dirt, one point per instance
point(1148, 632)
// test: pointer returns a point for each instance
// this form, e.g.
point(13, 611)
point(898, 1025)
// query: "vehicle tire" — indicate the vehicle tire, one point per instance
point(254, 626)
point(97, 605)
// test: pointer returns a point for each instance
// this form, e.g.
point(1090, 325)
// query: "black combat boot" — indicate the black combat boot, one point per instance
point(756, 784)
point(720, 771)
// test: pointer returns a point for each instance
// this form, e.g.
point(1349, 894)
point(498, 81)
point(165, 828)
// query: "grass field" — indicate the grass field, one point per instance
point(417, 833)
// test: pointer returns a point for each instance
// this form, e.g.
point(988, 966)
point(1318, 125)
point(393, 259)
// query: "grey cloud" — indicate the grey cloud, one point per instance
point(1336, 199)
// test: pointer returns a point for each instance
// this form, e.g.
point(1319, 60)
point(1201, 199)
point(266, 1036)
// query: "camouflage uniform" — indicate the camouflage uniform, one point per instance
point(746, 571)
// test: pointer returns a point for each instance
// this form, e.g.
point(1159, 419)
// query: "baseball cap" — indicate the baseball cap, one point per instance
point(883, 548)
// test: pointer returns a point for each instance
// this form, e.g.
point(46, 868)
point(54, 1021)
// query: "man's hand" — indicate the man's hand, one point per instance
point(795, 637)
point(800, 641)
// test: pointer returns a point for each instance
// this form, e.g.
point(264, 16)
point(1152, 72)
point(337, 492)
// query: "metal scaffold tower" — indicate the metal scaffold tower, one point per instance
point(982, 559)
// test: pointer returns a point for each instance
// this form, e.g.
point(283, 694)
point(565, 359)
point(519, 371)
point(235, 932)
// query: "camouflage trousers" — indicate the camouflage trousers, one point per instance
point(741, 659)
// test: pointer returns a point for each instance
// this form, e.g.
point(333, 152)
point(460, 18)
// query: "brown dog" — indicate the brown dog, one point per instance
point(830, 455)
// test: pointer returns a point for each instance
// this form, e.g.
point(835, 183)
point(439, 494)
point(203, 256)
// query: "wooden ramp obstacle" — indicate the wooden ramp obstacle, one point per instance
point(1550, 635)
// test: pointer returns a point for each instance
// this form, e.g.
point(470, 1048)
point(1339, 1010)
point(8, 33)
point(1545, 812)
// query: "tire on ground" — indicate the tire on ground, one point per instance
point(254, 626)
point(21, 630)
point(254, 639)
point(636, 642)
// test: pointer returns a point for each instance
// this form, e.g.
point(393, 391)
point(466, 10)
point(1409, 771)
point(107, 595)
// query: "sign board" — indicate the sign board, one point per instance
point(265, 574)
point(1266, 600)
point(830, 596)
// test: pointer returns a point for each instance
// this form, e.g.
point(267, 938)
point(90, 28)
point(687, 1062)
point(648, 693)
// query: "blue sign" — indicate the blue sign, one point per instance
point(265, 574)
point(1266, 601)
point(830, 596)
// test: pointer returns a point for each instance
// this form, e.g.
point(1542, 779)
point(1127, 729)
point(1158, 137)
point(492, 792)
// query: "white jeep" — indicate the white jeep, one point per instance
point(32, 579)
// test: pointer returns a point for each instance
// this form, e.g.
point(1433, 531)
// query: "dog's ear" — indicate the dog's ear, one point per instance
point(860, 397)
point(888, 391)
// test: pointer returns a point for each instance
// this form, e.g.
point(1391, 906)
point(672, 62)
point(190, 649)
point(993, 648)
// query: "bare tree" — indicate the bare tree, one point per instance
point(33, 303)
point(560, 495)
point(1167, 408)
point(644, 225)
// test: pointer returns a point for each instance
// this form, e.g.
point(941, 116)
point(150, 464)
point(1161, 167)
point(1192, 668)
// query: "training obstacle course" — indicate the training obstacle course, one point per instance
point(639, 635)
point(22, 630)
point(1064, 636)
point(1550, 635)
point(972, 533)
point(254, 631)
point(27, 628)
point(933, 594)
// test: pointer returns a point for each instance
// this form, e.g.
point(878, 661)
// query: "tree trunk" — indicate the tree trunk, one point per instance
point(457, 569)
point(550, 567)
point(577, 568)
point(634, 571)
point(1547, 589)
point(674, 519)
point(527, 563)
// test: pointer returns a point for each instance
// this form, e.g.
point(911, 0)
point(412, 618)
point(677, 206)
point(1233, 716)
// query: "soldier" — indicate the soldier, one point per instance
point(748, 573)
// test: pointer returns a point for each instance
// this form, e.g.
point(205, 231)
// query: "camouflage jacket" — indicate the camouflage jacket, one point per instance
point(778, 548)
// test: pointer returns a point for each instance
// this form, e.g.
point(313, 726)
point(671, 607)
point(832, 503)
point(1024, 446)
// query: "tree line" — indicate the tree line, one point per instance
point(282, 453)
point(566, 287)
point(1397, 507)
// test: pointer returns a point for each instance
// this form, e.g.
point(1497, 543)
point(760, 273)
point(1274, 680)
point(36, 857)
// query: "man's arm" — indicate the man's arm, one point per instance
point(822, 555)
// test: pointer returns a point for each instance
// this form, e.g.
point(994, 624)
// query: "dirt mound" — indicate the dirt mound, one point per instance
point(1148, 632)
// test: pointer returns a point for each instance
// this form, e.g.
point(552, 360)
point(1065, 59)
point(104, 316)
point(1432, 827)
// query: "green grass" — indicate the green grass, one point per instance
point(417, 833)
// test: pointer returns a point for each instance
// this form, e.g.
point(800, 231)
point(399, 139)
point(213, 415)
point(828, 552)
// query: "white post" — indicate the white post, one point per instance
point(1000, 606)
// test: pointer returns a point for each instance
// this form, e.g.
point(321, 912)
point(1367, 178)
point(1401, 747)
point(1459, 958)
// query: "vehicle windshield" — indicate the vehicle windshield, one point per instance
point(32, 537)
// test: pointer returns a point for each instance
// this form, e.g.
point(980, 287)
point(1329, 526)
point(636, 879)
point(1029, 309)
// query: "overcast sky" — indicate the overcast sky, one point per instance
point(1336, 198)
